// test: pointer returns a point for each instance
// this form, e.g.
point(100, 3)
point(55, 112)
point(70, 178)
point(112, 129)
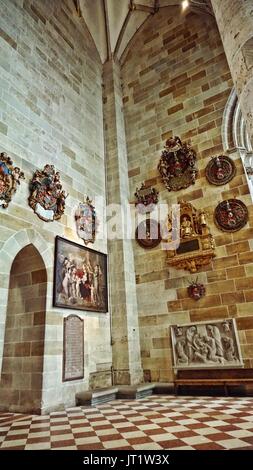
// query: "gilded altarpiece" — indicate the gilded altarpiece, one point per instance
point(196, 247)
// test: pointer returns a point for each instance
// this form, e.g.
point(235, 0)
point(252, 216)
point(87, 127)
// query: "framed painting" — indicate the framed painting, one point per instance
point(80, 277)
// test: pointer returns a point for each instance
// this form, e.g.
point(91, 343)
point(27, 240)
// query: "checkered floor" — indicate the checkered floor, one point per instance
point(153, 423)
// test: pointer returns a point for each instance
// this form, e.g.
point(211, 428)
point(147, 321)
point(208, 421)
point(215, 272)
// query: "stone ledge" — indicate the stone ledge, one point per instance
point(97, 396)
point(132, 392)
point(135, 391)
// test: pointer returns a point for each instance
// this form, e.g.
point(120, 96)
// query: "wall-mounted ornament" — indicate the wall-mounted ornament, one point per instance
point(146, 199)
point(47, 198)
point(196, 246)
point(148, 233)
point(196, 290)
point(231, 215)
point(10, 177)
point(220, 170)
point(177, 165)
point(86, 222)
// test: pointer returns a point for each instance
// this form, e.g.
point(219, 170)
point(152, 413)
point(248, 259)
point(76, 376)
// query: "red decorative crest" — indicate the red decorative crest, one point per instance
point(220, 170)
point(196, 290)
point(231, 215)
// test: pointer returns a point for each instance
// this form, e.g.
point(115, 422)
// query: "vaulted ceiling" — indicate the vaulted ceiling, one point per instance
point(113, 23)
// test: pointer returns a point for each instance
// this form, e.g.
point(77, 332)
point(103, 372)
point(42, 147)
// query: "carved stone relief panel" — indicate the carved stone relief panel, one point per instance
point(206, 344)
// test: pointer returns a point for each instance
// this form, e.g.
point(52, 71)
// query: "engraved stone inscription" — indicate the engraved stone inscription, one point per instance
point(73, 350)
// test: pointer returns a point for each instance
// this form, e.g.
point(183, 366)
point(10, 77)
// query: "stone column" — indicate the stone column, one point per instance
point(123, 301)
point(235, 23)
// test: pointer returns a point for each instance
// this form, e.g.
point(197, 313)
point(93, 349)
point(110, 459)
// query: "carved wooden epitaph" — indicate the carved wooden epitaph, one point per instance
point(73, 348)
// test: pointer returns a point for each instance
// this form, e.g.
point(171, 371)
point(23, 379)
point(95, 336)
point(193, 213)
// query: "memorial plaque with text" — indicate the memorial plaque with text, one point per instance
point(73, 350)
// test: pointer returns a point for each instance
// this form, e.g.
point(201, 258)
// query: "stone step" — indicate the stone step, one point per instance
point(127, 392)
point(96, 397)
point(135, 392)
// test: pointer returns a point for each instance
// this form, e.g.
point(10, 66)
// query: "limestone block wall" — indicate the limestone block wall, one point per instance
point(51, 112)
point(176, 81)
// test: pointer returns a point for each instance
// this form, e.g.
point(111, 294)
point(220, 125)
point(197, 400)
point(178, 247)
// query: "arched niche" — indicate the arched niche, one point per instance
point(235, 136)
point(23, 351)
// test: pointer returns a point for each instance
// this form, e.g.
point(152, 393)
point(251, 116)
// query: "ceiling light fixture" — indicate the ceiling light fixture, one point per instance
point(201, 4)
point(185, 4)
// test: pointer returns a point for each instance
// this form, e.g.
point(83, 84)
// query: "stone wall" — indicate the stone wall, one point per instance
point(176, 81)
point(51, 112)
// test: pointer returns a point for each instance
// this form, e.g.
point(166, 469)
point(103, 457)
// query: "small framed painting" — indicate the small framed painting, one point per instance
point(80, 277)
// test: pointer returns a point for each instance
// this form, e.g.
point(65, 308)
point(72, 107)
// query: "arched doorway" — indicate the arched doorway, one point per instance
point(22, 367)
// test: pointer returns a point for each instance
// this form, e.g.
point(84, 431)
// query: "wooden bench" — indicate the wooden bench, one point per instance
point(213, 377)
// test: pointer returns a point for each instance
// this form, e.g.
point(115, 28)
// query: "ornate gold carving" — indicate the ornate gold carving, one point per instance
point(196, 247)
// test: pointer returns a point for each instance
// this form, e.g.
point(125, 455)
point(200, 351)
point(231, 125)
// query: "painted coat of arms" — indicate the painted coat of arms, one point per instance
point(146, 199)
point(86, 222)
point(231, 215)
point(47, 197)
point(177, 165)
point(10, 177)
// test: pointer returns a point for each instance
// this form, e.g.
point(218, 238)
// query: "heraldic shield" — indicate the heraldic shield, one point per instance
point(86, 222)
point(47, 198)
point(177, 165)
point(10, 177)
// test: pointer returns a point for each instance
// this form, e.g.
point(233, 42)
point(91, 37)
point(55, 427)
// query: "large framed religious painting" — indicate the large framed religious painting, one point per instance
point(80, 277)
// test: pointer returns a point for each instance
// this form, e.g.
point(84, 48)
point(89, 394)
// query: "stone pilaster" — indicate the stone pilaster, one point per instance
point(125, 329)
point(235, 23)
